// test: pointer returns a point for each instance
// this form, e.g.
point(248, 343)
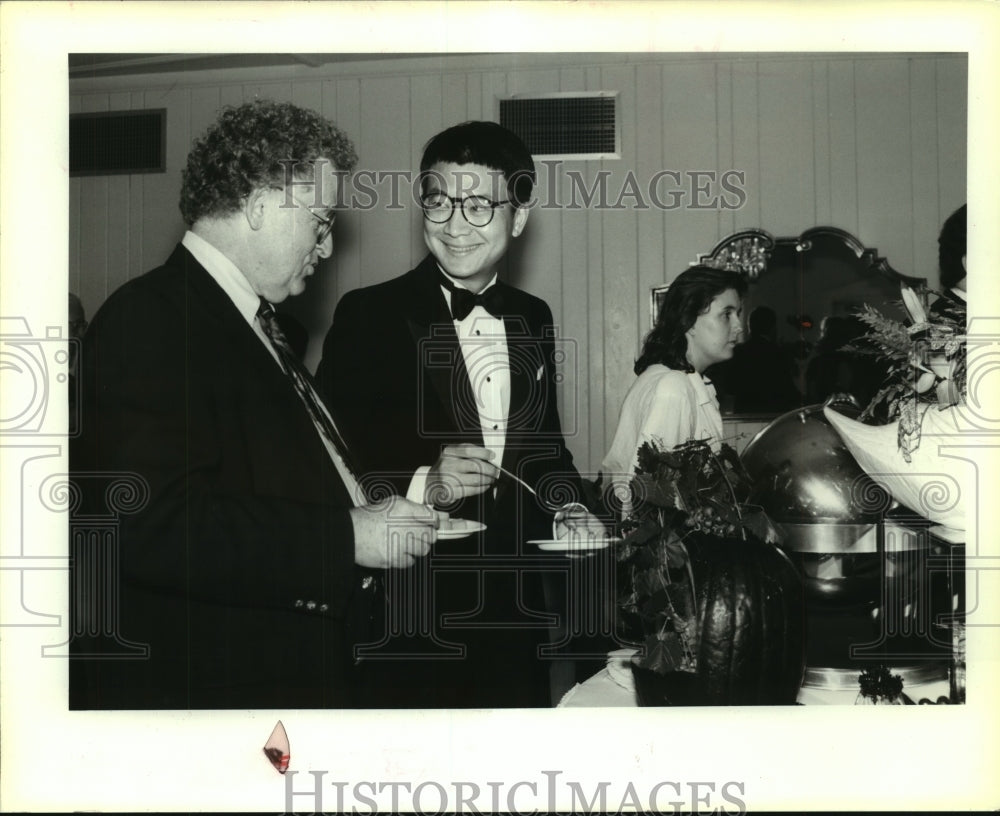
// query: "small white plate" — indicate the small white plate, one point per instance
point(576, 544)
point(459, 528)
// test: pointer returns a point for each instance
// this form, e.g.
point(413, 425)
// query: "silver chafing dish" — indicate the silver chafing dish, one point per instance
point(861, 568)
point(830, 515)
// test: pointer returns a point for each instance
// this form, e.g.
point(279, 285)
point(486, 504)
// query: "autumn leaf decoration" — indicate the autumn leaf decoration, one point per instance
point(926, 361)
point(689, 489)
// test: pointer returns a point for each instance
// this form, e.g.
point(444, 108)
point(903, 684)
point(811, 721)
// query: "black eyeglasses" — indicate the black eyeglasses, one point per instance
point(476, 210)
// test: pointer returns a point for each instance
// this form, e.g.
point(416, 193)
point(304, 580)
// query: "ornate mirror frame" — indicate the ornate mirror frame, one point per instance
point(756, 254)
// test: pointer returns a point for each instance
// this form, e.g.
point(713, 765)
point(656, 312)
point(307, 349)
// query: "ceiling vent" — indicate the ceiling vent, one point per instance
point(117, 142)
point(565, 125)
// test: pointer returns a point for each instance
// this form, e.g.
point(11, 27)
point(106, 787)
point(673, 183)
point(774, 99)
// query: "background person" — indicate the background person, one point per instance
point(671, 402)
point(951, 264)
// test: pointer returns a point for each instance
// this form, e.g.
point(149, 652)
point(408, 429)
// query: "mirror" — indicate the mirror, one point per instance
point(804, 293)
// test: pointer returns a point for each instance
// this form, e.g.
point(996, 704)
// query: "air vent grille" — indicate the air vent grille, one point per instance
point(565, 125)
point(116, 142)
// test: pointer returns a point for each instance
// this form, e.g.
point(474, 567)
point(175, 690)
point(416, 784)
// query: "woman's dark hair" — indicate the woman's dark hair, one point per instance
point(490, 145)
point(251, 146)
point(951, 249)
point(691, 294)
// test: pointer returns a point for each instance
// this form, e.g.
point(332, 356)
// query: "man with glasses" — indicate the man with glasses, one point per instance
point(443, 381)
point(246, 539)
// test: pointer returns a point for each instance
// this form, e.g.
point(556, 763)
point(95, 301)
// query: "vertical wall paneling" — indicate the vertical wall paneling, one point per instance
point(786, 145)
point(206, 102)
point(651, 224)
point(308, 94)
point(746, 143)
point(823, 211)
point(884, 179)
point(348, 240)
point(476, 107)
point(425, 121)
point(231, 94)
point(690, 151)
point(874, 144)
point(724, 140)
point(385, 138)
point(162, 225)
point(924, 169)
point(619, 255)
point(454, 99)
point(274, 91)
point(952, 119)
point(571, 311)
point(536, 255)
point(596, 366)
point(843, 146)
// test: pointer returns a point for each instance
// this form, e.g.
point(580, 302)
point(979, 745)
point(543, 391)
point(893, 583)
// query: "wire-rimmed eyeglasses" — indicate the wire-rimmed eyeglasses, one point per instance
point(324, 226)
point(476, 210)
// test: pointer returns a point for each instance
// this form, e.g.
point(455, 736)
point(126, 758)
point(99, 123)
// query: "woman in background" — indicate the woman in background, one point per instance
point(699, 324)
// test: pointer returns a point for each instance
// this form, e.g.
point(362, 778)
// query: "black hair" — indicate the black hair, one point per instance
point(951, 249)
point(490, 145)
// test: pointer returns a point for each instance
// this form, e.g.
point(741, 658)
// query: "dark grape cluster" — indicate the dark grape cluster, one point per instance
point(708, 520)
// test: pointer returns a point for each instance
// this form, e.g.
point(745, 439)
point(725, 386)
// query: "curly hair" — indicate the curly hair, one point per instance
point(490, 145)
point(951, 248)
point(249, 147)
point(690, 295)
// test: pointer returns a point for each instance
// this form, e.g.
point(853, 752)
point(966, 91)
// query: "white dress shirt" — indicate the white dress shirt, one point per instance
point(483, 340)
point(664, 406)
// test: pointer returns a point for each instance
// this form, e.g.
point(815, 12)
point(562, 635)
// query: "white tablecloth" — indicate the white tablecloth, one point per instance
point(612, 687)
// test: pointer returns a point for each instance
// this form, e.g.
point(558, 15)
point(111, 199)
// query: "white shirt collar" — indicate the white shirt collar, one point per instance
point(225, 273)
point(703, 388)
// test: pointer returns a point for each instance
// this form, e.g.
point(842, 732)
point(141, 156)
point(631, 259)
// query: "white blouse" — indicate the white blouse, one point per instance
point(664, 406)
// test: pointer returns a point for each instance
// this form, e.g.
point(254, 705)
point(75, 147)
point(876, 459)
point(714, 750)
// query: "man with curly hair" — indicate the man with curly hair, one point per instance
point(248, 538)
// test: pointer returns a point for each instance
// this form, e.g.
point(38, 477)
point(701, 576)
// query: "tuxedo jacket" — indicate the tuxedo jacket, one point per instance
point(234, 563)
point(394, 372)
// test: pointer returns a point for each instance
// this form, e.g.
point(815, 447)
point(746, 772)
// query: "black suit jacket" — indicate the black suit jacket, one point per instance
point(238, 569)
point(394, 372)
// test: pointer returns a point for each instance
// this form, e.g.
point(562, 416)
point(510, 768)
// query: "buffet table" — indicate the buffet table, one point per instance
point(612, 688)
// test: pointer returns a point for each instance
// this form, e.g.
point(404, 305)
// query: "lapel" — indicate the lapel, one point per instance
point(436, 346)
point(250, 359)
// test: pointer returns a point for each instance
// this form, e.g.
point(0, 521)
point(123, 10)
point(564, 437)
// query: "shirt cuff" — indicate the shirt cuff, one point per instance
point(418, 485)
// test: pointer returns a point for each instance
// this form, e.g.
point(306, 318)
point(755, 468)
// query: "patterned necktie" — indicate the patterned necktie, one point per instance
point(303, 383)
point(463, 301)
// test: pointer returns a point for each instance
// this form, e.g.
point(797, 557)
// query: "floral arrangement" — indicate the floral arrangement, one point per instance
point(677, 493)
point(926, 361)
point(879, 685)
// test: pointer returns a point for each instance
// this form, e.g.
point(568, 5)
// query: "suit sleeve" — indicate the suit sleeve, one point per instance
point(204, 531)
point(561, 465)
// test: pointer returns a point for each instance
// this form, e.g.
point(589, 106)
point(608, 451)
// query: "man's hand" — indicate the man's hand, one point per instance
point(393, 532)
point(460, 471)
point(575, 521)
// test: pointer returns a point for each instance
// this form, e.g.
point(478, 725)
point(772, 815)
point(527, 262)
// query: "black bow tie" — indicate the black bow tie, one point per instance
point(463, 301)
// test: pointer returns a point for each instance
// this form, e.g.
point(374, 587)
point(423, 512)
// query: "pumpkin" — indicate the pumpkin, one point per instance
point(750, 629)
